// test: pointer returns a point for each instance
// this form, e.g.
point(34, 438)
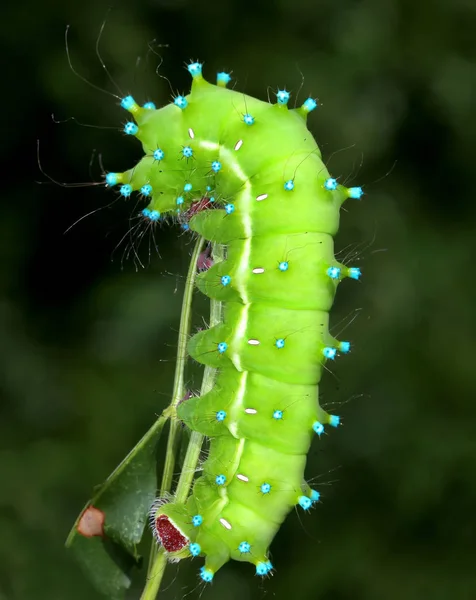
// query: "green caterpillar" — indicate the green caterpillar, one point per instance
point(249, 175)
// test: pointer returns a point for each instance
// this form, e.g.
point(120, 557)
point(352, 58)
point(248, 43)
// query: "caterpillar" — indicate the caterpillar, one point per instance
point(246, 175)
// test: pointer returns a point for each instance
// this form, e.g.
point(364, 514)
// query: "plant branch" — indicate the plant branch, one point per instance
point(158, 560)
point(179, 387)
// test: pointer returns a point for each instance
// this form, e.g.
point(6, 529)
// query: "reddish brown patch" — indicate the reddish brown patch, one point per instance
point(188, 394)
point(197, 206)
point(205, 261)
point(205, 264)
point(170, 537)
point(91, 522)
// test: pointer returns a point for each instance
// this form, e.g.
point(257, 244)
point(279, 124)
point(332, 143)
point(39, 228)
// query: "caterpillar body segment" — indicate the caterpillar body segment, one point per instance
point(247, 174)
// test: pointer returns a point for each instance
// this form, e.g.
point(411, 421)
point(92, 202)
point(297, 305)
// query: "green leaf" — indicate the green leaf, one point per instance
point(108, 554)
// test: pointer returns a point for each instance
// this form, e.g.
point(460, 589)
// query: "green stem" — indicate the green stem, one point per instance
point(179, 387)
point(158, 560)
point(196, 439)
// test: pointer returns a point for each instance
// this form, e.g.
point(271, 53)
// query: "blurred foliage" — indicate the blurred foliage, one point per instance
point(87, 343)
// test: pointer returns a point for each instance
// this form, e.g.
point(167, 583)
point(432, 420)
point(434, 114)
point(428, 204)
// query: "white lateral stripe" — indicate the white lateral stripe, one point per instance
point(241, 446)
point(209, 145)
point(240, 334)
point(244, 201)
point(231, 161)
point(225, 523)
point(226, 155)
point(235, 408)
point(245, 207)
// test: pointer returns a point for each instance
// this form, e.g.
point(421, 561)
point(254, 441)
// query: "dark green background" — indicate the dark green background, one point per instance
point(87, 344)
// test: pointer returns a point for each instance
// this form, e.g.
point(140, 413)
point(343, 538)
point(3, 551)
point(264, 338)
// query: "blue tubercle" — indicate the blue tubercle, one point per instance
point(158, 154)
point(279, 343)
point(125, 190)
point(330, 184)
point(261, 569)
point(195, 69)
point(225, 280)
point(216, 166)
point(229, 208)
point(206, 574)
point(269, 566)
point(334, 420)
point(187, 187)
point(128, 103)
point(130, 128)
point(154, 215)
point(278, 415)
point(187, 152)
point(195, 549)
point(179, 201)
point(305, 502)
point(145, 212)
point(344, 347)
point(333, 272)
point(146, 190)
point(149, 106)
point(244, 547)
point(220, 479)
point(222, 347)
point(318, 428)
point(329, 352)
point(355, 192)
point(181, 102)
point(223, 77)
point(221, 416)
point(112, 179)
point(315, 495)
point(185, 226)
point(197, 520)
point(282, 96)
point(309, 104)
point(289, 185)
point(283, 266)
point(248, 119)
point(265, 488)
point(355, 273)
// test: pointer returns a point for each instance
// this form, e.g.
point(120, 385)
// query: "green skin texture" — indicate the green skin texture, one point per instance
point(295, 226)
